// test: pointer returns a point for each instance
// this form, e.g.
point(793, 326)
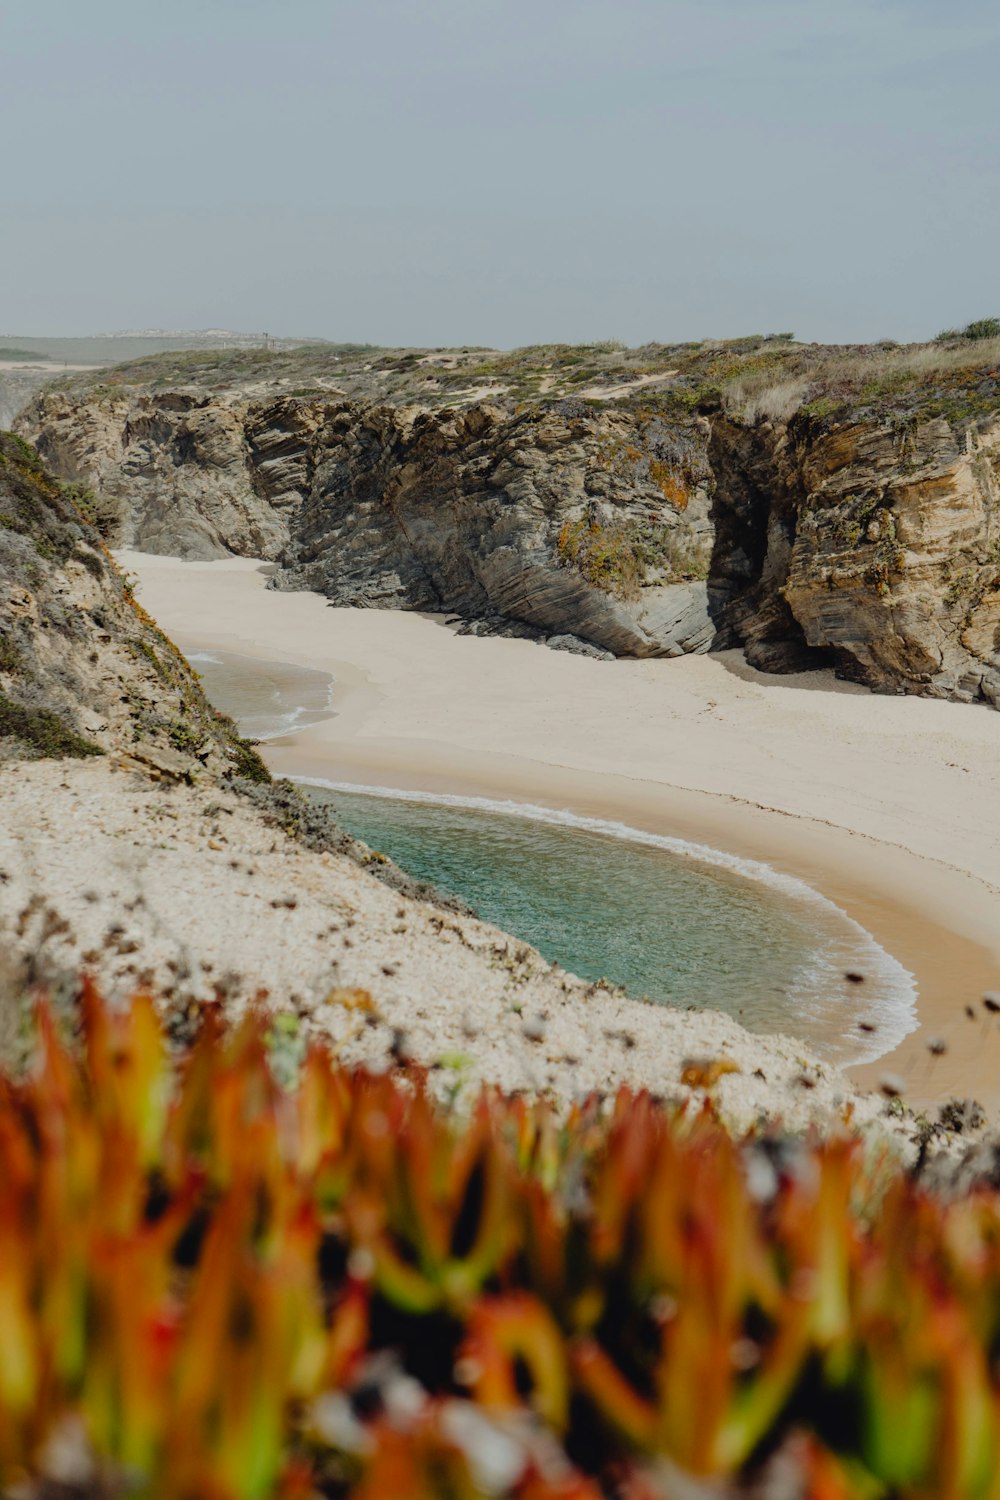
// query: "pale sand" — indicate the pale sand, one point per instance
point(889, 806)
point(616, 392)
point(183, 889)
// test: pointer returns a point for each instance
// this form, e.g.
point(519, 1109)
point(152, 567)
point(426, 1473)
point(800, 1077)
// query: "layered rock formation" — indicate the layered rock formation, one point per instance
point(815, 506)
point(564, 520)
point(589, 524)
point(874, 548)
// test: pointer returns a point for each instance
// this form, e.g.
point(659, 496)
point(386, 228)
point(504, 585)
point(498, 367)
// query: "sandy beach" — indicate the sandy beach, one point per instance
point(888, 806)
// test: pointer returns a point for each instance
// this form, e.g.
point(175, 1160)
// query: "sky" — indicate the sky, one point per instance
point(500, 172)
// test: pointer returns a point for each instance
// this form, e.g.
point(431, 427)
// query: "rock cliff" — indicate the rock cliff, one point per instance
point(565, 519)
point(880, 547)
point(83, 670)
point(815, 505)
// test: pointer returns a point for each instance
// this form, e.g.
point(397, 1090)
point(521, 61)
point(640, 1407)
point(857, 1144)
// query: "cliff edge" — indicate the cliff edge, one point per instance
point(818, 506)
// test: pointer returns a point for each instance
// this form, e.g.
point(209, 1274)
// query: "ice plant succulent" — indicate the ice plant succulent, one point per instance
point(226, 1286)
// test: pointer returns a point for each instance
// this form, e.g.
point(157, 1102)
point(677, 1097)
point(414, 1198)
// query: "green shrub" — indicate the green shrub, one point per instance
point(619, 557)
point(104, 512)
point(19, 452)
point(10, 656)
point(609, 557)
point(246, 762)
point(981, 328)
point(42, 731)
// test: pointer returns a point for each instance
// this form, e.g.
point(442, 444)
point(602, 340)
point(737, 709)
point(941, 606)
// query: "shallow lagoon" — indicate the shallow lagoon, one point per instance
point(675, 922)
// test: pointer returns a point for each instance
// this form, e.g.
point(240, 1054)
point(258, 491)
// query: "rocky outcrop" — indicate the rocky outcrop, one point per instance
point(180, 465)
point(878, 550)
point(563, 520)
point(83, 670)
point(857, 529)
point(553, 518)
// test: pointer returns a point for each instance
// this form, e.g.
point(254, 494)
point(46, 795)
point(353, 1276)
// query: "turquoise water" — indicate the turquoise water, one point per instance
point(657, 917)
point(677, 923)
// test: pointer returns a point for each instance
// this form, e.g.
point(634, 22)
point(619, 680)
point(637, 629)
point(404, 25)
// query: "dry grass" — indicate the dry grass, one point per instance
point(758, 398)
point(808, 374)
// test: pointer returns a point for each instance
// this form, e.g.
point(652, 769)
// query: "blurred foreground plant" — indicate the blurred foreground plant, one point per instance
point(214, 1286)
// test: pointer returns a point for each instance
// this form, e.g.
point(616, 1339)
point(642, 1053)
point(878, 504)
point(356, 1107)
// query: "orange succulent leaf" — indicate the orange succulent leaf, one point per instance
point(616, 1400)
point(186, 1247)
point(348, 1335)
point(418, 1465)
point(517, 1329)
point(566, 1487)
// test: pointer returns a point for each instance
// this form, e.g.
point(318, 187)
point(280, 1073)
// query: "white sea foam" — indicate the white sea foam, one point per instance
point(276, 725)
point(890, 989)
point(276, 728)
point(272, 719)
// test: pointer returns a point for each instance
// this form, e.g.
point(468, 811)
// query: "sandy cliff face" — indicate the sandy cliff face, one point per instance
point(859, 528)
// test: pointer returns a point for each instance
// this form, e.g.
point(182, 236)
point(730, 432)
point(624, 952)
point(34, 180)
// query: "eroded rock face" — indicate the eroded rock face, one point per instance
point(866, 543)
point(83, 670)
point(492, 514)
point(182, 464)
point(881, 548)
point(563, 520)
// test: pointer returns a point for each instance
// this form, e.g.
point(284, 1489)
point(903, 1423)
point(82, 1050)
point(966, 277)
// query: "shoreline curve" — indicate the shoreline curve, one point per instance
point(884, 806)
point(897, 987)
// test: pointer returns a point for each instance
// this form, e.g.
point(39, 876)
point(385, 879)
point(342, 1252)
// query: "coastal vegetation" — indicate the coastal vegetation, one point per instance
point(610, 557)
point(105, 513)
point(38, 731)
point(981, 328)
point(7, 353)
point(241, 1269)
point(621, 557)
point(953, 375)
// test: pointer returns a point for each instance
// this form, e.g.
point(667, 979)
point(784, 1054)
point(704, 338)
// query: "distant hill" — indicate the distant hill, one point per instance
point(27, 363)
point(114, 348)
point(27, 354)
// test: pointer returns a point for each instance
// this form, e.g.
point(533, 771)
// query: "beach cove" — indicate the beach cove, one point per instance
point(889, 807)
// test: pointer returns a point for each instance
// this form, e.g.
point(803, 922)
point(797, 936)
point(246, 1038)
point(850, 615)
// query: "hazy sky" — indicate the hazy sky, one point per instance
point(500, 171)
